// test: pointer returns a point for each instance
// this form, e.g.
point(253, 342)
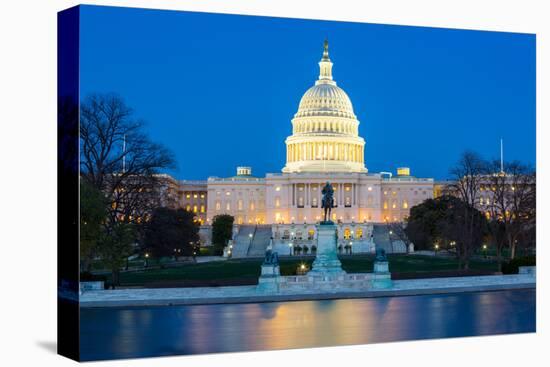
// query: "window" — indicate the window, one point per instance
point(252, 205)
point(188, 208)
point(369, 200)
point(347, 233)
point(195, 196)
point(278, 188)
point(385, 205)
point(195, 209)
point(300, 202)
point(394, 205)
point(187, 196)
point(369, 188)
point(202, 196)
point(218, 205)
point(227, 193)
point(228, 206)
point(240, 204)
point(347, 201)
point(405, 204)
point(359, 233)
point(277, 202)
point(203, 209)
point(310, 234)
point(314, 202)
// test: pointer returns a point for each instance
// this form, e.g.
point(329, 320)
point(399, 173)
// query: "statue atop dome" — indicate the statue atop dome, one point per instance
point(325, 50)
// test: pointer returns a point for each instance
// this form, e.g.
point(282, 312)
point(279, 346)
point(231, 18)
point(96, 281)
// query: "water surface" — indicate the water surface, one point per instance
point(108, 333)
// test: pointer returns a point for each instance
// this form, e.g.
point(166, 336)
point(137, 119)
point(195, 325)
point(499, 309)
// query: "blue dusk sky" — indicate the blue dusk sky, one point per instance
point(220, 90)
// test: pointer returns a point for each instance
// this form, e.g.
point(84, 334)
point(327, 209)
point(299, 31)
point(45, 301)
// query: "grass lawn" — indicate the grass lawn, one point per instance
point(249, 270)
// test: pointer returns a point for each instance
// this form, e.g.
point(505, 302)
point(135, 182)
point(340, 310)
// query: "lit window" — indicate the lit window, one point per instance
point(347, 188)
point(347, 234)
point(369, 188)
point(203, 209)
point(195, 196)
point(385, 193)
point(385, 205)
point(405, 204)
point(202, 196)
point(394, 205)
point(227, 193)
point(228, 206)
point(240, 204)
point(359, 233)
point(218, 205)
point(188, 196)
point(195, 209)
point(278, 188)
point(188, 208)
point(277, 202)
point(251, 205)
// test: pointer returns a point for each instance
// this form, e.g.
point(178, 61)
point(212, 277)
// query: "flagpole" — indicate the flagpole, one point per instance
point(501, 156)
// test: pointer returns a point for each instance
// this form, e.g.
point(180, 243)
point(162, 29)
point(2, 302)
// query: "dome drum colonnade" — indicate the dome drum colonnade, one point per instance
point(325, 129)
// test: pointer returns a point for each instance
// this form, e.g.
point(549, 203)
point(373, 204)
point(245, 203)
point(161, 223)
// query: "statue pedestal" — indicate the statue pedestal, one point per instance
point(382, 276)
point(381, 267)
point(269, 279)
point(326, 260)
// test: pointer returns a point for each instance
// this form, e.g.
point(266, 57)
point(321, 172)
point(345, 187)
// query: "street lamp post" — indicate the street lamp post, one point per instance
point(290, 249)
point(485, 250)
point(146, 260)
point(436, 248)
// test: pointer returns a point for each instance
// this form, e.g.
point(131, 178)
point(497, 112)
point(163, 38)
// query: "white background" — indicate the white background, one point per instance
point(28, 181)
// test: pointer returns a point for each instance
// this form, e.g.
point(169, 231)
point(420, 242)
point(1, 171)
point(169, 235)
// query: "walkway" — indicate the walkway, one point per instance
point(244, 294)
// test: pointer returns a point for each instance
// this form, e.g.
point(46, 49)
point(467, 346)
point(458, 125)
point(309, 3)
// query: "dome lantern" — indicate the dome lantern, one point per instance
point(325, 66)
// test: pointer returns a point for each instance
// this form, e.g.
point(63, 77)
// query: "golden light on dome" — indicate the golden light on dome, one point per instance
point(325, 135)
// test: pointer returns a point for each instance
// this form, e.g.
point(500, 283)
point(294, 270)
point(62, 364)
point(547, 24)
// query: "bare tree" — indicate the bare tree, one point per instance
point(468, 177)
point(510, 204)
point(120, 160)
point(521, 195)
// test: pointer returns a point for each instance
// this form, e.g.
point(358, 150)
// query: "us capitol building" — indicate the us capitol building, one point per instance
point(282, 208)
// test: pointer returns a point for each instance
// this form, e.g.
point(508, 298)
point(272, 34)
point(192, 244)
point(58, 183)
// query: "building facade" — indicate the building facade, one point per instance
point(324, 146)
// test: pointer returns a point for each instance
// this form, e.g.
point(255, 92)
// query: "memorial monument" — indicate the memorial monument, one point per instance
point(326, 260)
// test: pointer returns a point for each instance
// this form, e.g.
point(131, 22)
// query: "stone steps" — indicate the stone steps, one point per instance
point(260, 241)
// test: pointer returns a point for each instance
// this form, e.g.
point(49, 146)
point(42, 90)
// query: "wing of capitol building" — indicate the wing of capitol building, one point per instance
point(282, 208)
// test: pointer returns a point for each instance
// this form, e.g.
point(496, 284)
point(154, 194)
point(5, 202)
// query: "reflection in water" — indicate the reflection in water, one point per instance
point(149, 331)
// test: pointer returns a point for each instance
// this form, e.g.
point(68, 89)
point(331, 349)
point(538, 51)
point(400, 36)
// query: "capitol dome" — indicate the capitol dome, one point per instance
point(324, 99)
point(325, 131)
